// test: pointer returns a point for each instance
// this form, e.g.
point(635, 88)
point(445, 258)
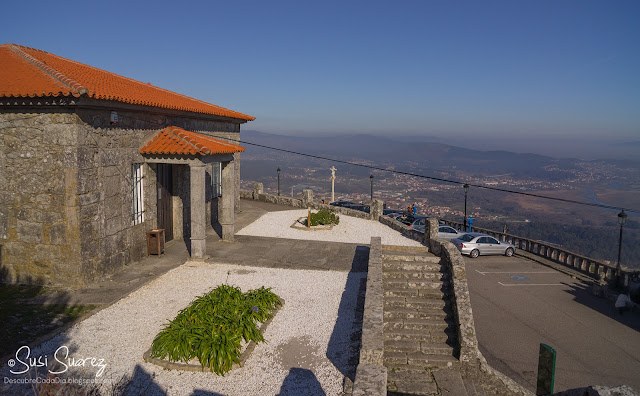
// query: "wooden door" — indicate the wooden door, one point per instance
point(165, 207)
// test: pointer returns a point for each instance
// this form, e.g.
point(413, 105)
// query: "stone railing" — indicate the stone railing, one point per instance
point(307, 201)
point(585, 265)
point(371, 374)
point(473, 365)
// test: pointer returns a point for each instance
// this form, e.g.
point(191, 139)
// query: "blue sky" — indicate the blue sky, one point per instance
point(506, 72)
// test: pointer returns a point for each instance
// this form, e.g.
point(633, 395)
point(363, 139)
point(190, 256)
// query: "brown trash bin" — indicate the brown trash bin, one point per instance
point(155, 241)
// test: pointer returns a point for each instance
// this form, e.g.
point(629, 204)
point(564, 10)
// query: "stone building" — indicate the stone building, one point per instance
point(90, 161)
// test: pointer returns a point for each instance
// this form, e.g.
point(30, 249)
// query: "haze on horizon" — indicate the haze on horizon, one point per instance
point(555, 78)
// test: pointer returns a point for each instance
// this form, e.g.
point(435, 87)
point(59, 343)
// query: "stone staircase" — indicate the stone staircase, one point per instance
point(420, 344)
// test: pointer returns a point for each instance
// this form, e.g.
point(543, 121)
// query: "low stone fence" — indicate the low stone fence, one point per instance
point(473, 365)
point(585, 265)
point(305, 202)
point(403, 228)
point(371, 374)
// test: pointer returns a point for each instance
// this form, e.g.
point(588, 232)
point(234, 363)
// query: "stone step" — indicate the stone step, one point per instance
point(403, 313)
point(391, 265)
point(433, 348)
point(423, 386)
point(409, 257)
point(424, 325)
point(419, 359)
point(415, 303)
point(449, 382)
point(435, 335)
point(414, 284)
point(413, 249)
point(414, 275)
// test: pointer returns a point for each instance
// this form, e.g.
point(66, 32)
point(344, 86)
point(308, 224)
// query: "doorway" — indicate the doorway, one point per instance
point(165, 206)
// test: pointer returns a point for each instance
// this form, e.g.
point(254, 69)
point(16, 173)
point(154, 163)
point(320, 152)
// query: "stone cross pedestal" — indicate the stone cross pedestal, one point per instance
point(333, 182)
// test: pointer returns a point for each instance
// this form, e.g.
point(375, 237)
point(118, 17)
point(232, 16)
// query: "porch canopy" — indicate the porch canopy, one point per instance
point(174, 145)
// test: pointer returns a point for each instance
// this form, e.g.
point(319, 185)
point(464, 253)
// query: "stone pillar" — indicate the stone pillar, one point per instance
point(227, 217)
point(333, 183)
point(307, 197)
point(198, 234)
point(376, 209)
point(257, 190)
point(430, 230)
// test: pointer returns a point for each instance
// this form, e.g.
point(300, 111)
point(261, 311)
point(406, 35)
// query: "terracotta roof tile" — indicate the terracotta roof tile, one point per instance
point(174, 140)
point(29, 72)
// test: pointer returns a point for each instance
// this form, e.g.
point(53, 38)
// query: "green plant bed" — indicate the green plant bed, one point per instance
point(213, 327)
point(323, 217)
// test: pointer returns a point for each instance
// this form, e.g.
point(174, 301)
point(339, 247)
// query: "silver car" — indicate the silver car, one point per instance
point(446, 232)
point(475, 244)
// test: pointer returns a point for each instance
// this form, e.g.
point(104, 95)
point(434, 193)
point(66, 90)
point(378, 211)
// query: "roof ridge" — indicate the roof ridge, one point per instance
point(179, 133)
point(74, 86)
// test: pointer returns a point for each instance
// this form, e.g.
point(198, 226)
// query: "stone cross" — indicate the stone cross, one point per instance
point(333, 182)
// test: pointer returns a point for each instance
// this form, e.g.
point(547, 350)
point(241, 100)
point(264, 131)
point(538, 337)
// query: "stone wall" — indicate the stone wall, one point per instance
point(258, 195)
point(474, 366)
point(65, 205)
point(371, 374)
point(39, 206)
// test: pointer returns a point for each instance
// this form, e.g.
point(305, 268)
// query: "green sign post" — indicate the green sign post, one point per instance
point(546, 370)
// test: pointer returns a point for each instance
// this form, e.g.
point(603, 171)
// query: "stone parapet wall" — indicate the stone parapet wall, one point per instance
point(371, 374)
point(258, 195)
point(474, 366)
point(402, 228)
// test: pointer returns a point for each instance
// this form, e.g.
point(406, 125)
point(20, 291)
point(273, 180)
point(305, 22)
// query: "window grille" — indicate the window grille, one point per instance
point(137, 207)
point(216, 179)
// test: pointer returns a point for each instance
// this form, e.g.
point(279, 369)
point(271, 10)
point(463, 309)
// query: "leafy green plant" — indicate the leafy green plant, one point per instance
point(213, 326)
point(323, 217)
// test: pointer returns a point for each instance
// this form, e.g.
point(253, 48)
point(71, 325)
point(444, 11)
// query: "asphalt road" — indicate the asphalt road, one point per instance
point(518, 304)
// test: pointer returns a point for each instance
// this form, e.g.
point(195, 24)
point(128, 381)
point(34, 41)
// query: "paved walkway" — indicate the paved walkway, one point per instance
point(245, 250)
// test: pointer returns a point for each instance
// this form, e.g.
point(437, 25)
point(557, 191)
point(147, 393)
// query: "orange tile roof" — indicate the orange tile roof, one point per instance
point(174, 140)
point(29, 72)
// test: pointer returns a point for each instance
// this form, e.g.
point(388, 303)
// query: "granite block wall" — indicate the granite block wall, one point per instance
point(65, 187)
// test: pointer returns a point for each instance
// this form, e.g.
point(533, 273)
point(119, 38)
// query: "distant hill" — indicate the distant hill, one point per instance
point(422, 155)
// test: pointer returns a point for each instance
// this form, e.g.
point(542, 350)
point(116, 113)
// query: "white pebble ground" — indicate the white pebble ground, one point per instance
point(350, 229)
point(121, 333)
point(309, 340)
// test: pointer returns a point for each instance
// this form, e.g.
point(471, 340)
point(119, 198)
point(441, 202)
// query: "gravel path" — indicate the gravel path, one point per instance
point(312, 342)
point(350, 229)
point(309, 349)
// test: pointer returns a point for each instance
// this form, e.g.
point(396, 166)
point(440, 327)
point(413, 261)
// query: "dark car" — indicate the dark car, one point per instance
point(341, 203)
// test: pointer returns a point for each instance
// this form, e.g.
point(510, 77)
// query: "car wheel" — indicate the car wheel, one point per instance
point(474, 253)
point(508, 252)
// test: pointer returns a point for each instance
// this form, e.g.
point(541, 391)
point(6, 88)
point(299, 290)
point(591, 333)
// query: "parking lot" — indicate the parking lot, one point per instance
point(518, 304)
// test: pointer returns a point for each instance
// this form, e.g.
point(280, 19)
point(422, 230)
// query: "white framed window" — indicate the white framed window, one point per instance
point(216, 179)
point(137, 196)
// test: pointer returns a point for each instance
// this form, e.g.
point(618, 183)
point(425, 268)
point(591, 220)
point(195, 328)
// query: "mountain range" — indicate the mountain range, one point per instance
point(423, 156)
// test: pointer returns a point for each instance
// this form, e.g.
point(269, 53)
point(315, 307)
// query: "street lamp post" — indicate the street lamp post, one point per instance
point(371, 177)
point(622, 218)
point(278, 170)
point(466, 190)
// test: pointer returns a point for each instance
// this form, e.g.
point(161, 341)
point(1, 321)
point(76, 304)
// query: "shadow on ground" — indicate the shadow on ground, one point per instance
point(582, 294)
point(301, 381)
point(344, 345)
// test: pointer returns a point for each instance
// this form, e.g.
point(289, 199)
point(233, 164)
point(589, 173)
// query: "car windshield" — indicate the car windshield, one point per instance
point(466, 237)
